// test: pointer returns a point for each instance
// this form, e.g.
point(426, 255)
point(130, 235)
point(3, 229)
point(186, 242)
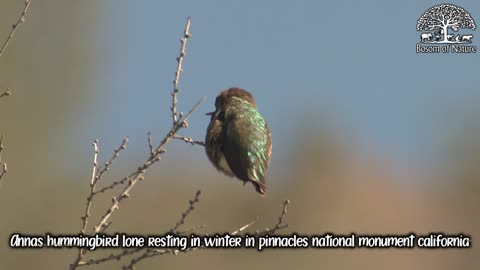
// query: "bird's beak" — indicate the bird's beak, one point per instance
point(210, 113)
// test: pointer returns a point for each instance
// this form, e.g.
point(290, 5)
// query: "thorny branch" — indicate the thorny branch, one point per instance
point(21, 19)
point(139, 173)
point(130, 181)
point(3, 165)
point(185, 214)
point(183, 40)
point(96, 176)
point(127, 252)
point(155, 153)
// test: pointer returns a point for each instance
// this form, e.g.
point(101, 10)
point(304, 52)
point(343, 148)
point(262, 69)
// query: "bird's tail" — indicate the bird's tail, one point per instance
point(260, 186)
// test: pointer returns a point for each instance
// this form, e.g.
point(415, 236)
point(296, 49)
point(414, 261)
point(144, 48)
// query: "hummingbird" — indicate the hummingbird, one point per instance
point(238, 140)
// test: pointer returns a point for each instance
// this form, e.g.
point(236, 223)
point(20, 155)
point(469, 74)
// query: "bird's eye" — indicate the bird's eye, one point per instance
point(221, 116)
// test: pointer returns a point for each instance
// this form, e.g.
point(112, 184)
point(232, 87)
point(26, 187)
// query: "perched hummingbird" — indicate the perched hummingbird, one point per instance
point(238, 140)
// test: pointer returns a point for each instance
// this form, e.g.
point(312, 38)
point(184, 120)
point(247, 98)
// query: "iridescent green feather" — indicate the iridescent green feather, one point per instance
point(248, 142)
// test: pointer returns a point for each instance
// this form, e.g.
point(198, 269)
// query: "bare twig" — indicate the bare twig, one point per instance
point(104, 222)
point(4, 170)
point(148, 253)
point(94, 167)
point(192, 229)
point(96, 176)
point(279, 224)
point(150, 143)
point(185, 214)
point(111, 257)
point(183, 40)
point(21, 19)
point(159, 150)
point(179, 121)
point(116, 183)
point(3, 165)
point(16, 26)
point(86, 214)
point(108, 163)
point(189, 140)
point(243, 228)
point(174, 230)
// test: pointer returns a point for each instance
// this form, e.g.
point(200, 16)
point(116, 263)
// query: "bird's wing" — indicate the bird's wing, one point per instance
point(247, 144)
point(214, 147)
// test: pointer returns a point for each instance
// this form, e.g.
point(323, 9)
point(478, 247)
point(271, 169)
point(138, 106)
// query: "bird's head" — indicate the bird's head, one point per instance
point(225, 97)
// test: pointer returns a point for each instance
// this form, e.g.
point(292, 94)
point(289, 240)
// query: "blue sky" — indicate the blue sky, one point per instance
point(353, 62)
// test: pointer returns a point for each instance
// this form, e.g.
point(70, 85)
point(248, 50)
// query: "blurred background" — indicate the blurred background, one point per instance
point(368, 136)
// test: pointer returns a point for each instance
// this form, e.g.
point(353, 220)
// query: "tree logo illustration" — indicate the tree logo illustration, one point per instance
point(439, 19)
